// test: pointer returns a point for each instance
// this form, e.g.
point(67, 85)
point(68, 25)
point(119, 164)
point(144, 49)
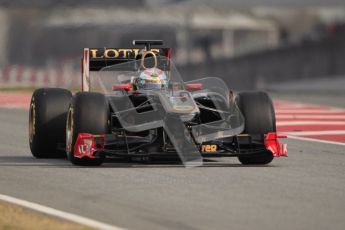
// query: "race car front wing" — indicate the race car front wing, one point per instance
point(90, 146)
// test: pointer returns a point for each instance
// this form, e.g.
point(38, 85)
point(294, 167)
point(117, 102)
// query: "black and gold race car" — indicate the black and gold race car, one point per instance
point(135, 104)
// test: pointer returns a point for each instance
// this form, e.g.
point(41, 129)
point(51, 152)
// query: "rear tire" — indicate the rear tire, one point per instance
point(88, 113)
point(47, 118)
point(258, 111)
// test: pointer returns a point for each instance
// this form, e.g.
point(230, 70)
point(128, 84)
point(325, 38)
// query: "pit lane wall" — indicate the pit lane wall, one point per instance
point(305, 60)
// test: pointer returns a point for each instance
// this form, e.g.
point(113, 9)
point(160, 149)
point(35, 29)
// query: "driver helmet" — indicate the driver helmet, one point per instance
point(152, 79)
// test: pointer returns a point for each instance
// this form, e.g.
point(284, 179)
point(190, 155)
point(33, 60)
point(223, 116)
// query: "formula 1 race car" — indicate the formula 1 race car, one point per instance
point(135, 105)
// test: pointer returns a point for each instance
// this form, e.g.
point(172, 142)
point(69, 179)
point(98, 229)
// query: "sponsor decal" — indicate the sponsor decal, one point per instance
point(104, 53)
point(84, 149)
point(209, 148)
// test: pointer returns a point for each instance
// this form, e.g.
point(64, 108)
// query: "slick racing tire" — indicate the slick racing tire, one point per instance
point(258, 111)
point(88, 113)
point(47, 119)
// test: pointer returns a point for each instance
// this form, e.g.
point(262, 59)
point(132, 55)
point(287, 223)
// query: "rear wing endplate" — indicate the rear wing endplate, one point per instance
point(94, 59)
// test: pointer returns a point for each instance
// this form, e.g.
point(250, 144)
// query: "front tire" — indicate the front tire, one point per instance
point(47, 116)
point(88, 113)
point(258, 111)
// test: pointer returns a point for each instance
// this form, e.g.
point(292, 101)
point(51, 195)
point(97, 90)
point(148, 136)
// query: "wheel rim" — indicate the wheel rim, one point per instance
point(69, 130)
point(32, 122)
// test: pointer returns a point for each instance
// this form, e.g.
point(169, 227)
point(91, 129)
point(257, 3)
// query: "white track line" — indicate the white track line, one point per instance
point(26, 107)
point(298, 106)
point(290, 123)
point(57, 213)
point(316, 140)
point(306, 107)
point(325, 109)
point(323, 117)
point(316, 133)
point(284, 103)
point(290, 111)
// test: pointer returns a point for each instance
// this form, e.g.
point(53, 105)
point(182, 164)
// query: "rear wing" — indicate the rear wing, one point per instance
point(95, 59)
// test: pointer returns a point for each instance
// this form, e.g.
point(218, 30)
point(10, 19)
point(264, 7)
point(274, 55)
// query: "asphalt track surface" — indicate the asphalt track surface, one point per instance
point(304, 191)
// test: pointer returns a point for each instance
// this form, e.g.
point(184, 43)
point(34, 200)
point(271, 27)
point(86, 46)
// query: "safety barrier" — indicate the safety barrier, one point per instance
point(309, 59)
point(23, 76)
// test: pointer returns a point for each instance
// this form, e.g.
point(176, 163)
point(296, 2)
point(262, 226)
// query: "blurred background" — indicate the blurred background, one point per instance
point(264, 44)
